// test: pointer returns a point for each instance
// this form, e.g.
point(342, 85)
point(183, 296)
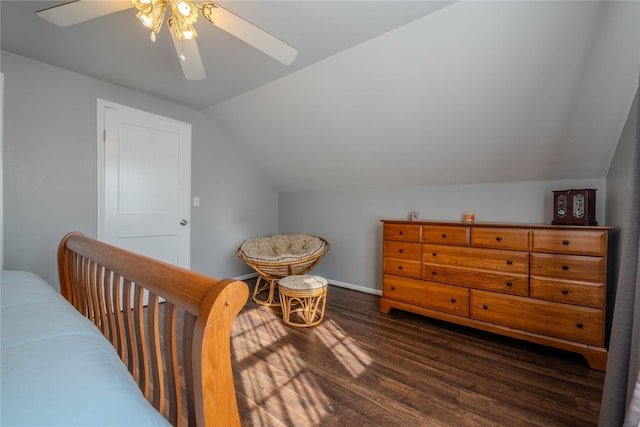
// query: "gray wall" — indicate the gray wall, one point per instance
point(350, 220)
point(50, 175)
point(619, 191)
point(50, 186)
point(1, 173)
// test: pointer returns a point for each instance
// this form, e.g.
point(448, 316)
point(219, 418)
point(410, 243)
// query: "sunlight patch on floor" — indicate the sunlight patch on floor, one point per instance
point(280, 384)
point(256, 333)
point(343, 347)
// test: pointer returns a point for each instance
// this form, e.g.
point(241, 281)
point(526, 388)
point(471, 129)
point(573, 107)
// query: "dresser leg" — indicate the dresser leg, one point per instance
point(596, 358)
point(385, 307)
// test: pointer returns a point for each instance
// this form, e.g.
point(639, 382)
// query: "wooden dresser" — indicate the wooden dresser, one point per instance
point(540, 283)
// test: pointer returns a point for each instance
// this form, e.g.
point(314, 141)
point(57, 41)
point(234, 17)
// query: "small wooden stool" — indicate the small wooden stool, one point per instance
point(305, 294)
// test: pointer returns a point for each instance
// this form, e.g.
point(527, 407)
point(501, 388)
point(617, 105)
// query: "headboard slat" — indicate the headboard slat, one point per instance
point(155, 365)
point(107, 285)
point(174, 393)
point(140, 340)
point(129, 334)
point(116, 292)
point(189, 324)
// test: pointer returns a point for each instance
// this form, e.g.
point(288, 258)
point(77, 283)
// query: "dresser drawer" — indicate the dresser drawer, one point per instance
point(569, 267)
point(581, 324)
point(500, 238)
point(402, 267)
point(450, 299)
point(488, 259)
point(579, 293)
point(446, 235)
point(402, 250)
point(516, 284)
point(570, 242)
point(408, 232)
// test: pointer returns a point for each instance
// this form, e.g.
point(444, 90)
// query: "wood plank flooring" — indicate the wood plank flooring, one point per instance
point(363, 368)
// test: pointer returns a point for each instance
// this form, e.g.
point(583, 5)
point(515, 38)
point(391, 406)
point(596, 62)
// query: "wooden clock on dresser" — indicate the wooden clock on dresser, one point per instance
point(541, 283)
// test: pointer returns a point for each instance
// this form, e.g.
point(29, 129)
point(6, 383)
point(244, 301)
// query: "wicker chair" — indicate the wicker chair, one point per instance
point(278, 256)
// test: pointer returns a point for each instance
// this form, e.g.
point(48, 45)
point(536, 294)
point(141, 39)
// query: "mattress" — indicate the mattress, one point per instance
point(57, 368)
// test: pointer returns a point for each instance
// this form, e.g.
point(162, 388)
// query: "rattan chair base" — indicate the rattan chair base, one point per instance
point(305, 304)
point(269, 287)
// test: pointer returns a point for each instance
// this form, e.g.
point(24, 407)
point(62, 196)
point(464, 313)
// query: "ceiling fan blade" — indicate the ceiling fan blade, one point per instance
point(248, 33)
point(192, 64)
point(78, 11)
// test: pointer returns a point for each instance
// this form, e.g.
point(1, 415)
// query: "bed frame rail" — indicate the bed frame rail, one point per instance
point(143, 306)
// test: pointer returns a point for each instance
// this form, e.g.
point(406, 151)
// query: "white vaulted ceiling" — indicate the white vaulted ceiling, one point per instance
point(477, 92)
point(382, 93)
point(117, 48)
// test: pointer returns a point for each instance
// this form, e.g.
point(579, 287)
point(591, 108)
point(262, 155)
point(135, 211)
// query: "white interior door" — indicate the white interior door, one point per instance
point(145, 175)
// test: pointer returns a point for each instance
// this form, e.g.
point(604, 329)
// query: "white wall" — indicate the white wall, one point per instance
point(619, 188)
point(50, 176)
point(350, 219)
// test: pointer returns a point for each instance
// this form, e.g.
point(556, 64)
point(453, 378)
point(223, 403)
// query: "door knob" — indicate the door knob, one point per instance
point(184, 222)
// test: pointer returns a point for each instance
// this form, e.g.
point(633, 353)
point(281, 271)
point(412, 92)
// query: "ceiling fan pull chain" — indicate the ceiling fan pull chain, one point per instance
point(181, 56)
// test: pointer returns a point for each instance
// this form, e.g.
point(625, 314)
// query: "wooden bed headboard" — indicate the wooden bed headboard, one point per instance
point(166, 303)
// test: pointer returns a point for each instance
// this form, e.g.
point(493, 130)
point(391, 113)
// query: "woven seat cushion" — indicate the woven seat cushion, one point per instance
point(282, 247)
point(303, 282)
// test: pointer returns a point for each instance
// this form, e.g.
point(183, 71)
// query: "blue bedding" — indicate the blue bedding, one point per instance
point(57, 368)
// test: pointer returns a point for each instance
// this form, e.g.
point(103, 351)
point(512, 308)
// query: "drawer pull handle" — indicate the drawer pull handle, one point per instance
point(393, 288)
point(399, 267)
point(499, 238)
point(565, 242)
point(579, 325)
point(444, 235)
point(401, 233)
point(453, 300)
point(509, 262)
point(565, 267)
point(509, 283)
point(435, 254)
point(485, 306)
point(565, 292)
point(401, 251)
point(434, 273)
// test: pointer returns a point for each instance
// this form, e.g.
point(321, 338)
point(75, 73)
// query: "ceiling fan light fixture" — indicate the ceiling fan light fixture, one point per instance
point(145, 18)
point(181, 30)
point(151, 14)
point(184, 8)
point(207, 8)
point(182, 17)
point(142, 5)
point(189, 34)
point(185, 11)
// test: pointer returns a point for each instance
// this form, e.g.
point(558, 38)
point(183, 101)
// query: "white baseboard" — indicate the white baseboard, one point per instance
point(355, 287)
point(246, 276)
point(331, 282)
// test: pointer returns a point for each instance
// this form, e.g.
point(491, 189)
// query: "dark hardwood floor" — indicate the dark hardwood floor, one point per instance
point(363, 368)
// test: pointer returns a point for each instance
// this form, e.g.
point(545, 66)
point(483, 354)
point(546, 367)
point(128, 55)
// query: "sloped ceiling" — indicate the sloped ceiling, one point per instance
point(477, 92)
point(386, 93)
point(116, 48)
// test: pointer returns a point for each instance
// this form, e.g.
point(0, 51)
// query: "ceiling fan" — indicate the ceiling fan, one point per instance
point(182, 15)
